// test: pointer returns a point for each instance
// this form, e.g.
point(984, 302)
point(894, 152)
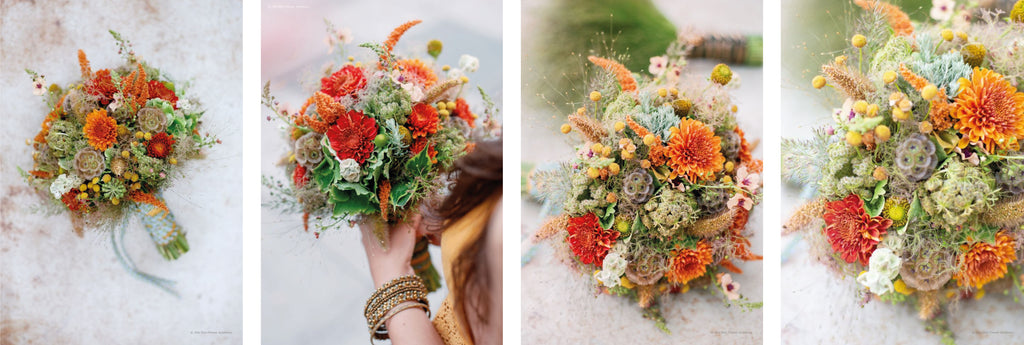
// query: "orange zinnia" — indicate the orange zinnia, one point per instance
point(689, 264)
point(985, 262)
point(100, 129)
point(418, 72)
point(989, 110)
point(695, 151)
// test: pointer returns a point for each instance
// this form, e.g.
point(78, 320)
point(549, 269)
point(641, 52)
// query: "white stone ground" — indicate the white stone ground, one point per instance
point(58, 288)
point(558, 307)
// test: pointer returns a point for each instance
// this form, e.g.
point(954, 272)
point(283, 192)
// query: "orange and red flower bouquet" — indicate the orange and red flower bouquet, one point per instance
point(657, 199)
point(375, 139)
point(919, 181)
point(110, 144)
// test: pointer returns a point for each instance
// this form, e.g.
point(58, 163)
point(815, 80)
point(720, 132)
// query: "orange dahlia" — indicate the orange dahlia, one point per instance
point(100, 129)
point(695, 151)
point(588, 240)
point(160, 146)
point(462, 111)
point(689, 264)
point(423, 120)
point(414, 70)
point(851, 231)
point(983, 262)
point(989, 110)
point(418, 145)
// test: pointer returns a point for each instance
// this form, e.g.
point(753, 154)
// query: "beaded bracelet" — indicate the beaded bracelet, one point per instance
point(393, 297)
point(380, 331)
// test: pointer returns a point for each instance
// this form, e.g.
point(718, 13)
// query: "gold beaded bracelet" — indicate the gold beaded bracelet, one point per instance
point(393, 297)
point(380, 331)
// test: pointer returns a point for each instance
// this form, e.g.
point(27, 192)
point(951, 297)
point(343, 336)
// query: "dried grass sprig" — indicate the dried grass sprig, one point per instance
point(854, 84)
point(589, 127)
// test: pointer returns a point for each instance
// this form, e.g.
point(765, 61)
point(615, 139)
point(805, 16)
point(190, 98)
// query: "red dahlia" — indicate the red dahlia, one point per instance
point(423, 120)
point(344, 82)
point(299, 176)
point(352, 136)
point(462, 111)
point(851, 232)
point(419, 144)
point(159, 90)
point(103, 86)
point(588, 240)
point(72, 201)
point(160, 145)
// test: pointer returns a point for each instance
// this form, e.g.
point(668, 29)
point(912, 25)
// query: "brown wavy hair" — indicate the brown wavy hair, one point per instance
point(477, 178)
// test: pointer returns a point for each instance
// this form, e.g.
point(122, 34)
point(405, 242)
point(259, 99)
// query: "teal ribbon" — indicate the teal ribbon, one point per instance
point(117, 239)
point(166, 235)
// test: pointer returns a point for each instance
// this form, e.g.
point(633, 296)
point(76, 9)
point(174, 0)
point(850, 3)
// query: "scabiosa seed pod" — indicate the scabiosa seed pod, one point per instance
point(151, 120)
point(308, 151)
point(89, 163)
point(915, 157)
point(712, 200)
point(646, 268)
point(927, 271)
point(1010, 178)
point(730, 145)
point(638, 186)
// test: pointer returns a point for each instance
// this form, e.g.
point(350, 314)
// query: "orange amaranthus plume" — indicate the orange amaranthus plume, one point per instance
point(918, 82)
point(146, 198)
point(396, 34)
point(326, 107)
point(898, 20)
point(621, 72)
point(384, 193)
point(744, 154)
point(83, 63)
point(136, 86)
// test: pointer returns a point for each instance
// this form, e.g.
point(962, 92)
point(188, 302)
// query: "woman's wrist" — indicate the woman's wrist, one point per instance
point(384, 275)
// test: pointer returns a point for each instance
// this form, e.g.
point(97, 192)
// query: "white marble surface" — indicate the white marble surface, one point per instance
point(557, 305)
point(58, 288)
point(818, 307)
point(314, 290)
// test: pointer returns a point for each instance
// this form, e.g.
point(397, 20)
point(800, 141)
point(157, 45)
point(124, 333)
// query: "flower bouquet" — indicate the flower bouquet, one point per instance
point(657, 198)
point(110, 144)
point(373, 141)
point(919, 180)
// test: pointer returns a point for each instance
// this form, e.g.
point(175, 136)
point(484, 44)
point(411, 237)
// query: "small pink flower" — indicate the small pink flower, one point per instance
point(39, 86)
point(162, 175)
point(658, 65)
point(741, 200)
point(729, 287)
point(745, 180)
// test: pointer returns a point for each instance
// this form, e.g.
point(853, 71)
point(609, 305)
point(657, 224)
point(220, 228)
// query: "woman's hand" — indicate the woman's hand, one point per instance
point(393, 262)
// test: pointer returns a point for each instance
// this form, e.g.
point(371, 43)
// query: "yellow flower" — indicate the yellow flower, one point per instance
point(902, 287)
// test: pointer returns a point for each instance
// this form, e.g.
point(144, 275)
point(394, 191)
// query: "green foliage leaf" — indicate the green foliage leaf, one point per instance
point(402, 193)
point(608, 219)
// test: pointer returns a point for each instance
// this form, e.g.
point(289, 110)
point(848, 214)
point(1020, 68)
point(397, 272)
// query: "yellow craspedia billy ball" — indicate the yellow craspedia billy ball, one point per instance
point(434, 48)
point(566, 128)
point(854, 138)
point(929, 92)
point(818, 82)
point(595, 96)
point(721, 74)
point(889, 76)
point(859, 41)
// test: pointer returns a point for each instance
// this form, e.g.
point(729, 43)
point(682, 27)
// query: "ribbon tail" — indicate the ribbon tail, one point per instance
point(117, 240)
point(170, 241)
